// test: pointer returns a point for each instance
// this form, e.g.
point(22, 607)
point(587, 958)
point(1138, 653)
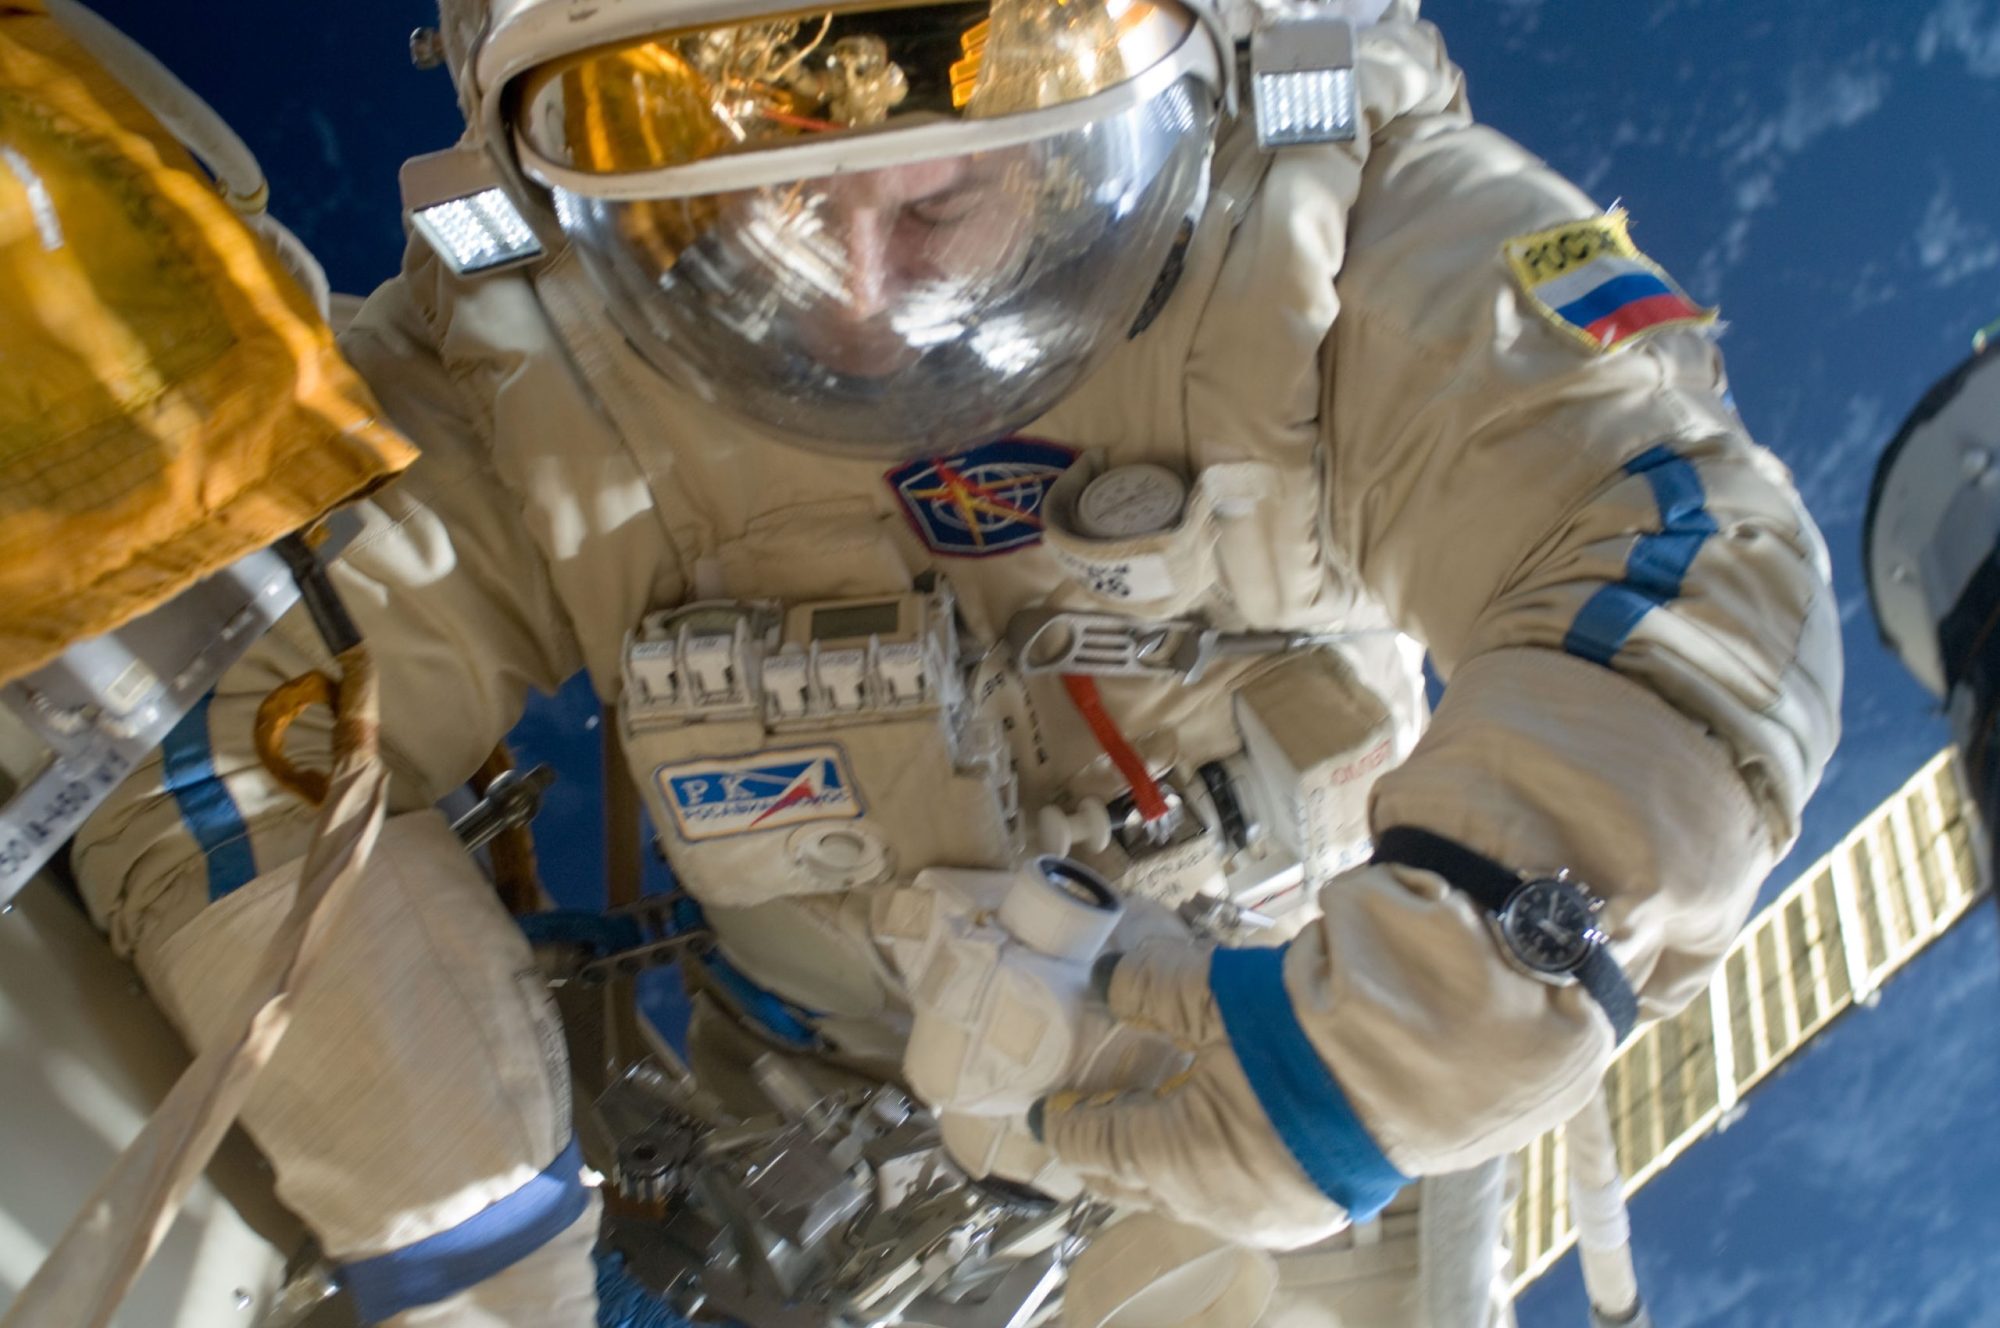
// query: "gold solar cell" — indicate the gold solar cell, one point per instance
point(1799, 936)
point(1787, 975)
point(1826, 903)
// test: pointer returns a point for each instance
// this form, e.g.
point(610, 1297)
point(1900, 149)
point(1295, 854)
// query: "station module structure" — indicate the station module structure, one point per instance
point(1931, 552)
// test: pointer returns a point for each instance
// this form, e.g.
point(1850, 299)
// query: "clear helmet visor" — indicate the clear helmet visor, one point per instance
point(904, 308)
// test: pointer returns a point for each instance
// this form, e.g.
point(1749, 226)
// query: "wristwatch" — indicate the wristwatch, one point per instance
point(1546, 922)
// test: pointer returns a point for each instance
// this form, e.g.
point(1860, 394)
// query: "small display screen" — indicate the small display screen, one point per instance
point(851, 620)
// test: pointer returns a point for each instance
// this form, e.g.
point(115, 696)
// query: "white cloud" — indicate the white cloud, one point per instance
point(1891, 1094)
point(1966, 28)
point(1756, 192)
point(1817, 103)
point(1851, 1099)
point(1707, 1296)
point(1725, 253)
point(1833, 477)
point(1524, 15)
point(1870, 287)
point(1872, 1119)
point(1950, 247)
point(1955, 1291)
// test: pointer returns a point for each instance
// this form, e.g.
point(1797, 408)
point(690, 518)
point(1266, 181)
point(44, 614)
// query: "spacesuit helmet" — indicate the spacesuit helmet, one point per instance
point(887, 231)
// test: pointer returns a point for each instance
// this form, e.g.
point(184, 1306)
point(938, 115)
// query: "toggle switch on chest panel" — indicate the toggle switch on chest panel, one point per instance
point(1317, 738)
point(812, 747)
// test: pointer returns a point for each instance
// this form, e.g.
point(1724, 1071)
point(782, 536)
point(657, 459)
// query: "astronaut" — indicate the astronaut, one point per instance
point(951, 431)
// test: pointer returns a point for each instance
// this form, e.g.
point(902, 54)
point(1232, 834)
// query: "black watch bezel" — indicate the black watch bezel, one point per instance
point(1563, 890)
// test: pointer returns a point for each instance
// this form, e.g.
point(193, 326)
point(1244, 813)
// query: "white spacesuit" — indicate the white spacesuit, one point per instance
point(936, 453)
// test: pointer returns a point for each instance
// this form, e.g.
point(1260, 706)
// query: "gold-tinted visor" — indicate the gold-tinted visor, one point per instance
point(680, 97)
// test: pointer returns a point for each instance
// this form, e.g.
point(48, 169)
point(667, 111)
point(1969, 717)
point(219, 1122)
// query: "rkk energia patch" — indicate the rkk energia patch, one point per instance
point(720, 797)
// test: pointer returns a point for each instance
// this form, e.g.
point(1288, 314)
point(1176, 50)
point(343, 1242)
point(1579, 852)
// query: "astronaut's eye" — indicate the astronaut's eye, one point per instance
point(950, 206)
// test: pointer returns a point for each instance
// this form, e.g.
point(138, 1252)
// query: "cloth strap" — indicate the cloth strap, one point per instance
point(1299, 1094)
point(205, 802)
point(1657, 568)
point(484, 1245)
point(791, 1025)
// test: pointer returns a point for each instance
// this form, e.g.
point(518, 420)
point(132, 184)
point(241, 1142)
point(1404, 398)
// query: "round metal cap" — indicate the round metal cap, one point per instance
point(1127, 502)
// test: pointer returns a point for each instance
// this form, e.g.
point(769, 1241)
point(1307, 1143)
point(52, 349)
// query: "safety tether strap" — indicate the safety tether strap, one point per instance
point(485, 1244)
point(604, 934)
point(789, 1024)
point(1146, 795)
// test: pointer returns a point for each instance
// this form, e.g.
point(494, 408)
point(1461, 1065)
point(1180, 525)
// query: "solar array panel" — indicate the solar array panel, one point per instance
point(1897, 882)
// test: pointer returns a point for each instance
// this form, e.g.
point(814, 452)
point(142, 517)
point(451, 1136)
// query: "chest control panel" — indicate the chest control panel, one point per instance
point(810, 662)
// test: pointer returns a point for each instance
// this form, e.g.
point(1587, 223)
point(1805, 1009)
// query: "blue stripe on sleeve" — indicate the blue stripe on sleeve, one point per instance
point(1299, 1094)
point(1658, 564)
point(489, 1242)
point(206, 806)
point(1612, 296)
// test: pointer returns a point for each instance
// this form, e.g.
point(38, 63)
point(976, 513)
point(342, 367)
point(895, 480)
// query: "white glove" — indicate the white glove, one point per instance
point(1199, 1148)
point(995, 1024)
point(998, 967)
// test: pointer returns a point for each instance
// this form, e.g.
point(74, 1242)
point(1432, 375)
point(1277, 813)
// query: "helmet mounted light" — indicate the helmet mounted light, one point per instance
point(1302, 77)
point(455, 200)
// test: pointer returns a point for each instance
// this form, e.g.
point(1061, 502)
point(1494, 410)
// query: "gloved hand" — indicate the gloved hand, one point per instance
point(1199, 1148)
point(997, 967)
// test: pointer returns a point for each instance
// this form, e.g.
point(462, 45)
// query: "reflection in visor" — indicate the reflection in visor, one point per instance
point(879, 267)
point(677, 98)
point(912, 308)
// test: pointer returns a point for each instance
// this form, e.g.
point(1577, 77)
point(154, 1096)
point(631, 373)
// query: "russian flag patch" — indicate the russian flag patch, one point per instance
point(1591, 283)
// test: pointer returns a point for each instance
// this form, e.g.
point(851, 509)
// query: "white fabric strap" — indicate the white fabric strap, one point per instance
point(107, 1245)
point(1602, 1222)
point(1460, 1221)
point(184, 115)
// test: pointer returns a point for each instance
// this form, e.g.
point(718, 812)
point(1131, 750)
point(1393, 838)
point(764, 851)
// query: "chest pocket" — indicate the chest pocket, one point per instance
point(826, 549)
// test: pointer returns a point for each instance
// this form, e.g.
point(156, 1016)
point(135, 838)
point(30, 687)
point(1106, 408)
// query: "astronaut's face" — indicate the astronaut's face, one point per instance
point(900, 310)
point(882, 264)
point(875, 230)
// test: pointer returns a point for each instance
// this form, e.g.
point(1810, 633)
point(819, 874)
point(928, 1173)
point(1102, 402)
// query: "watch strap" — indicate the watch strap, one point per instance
point(1491, 885)
point(1605, 981)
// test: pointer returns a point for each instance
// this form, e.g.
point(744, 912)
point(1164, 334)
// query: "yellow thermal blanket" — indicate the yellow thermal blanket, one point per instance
point(170, 399)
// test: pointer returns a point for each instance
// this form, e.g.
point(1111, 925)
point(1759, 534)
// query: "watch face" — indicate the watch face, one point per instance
point(1550, 926)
